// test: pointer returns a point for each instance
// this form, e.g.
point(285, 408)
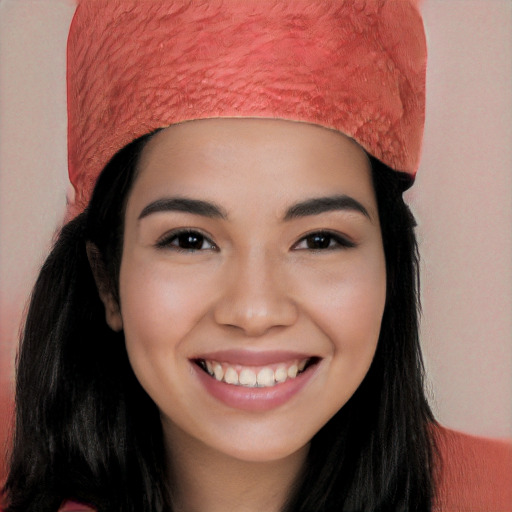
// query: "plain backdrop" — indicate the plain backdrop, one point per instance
point(462, 197)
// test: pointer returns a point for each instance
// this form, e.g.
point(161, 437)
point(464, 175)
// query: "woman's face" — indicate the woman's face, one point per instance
point(252, 282)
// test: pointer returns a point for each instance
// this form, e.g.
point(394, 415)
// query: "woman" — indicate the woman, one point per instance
point(235, 322)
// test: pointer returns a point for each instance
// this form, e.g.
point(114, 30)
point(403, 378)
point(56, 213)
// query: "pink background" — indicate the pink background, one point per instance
point(462, 198)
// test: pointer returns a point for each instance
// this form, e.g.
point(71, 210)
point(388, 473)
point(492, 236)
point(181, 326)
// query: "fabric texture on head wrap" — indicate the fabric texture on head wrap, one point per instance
point(356, 66)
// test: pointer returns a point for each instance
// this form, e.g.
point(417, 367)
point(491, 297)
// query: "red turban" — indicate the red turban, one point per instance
point(136, 65)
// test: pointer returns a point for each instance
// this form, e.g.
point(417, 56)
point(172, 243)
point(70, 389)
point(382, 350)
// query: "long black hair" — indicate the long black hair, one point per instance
point(378, 453)
point(86, 430)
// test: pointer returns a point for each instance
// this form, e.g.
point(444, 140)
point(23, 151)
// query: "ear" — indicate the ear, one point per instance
point(112, 312)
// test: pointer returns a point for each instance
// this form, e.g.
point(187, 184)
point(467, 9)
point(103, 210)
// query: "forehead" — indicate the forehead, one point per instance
point(252, 156)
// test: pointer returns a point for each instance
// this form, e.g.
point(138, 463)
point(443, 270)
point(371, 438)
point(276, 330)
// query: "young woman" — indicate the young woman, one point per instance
point(230, 320)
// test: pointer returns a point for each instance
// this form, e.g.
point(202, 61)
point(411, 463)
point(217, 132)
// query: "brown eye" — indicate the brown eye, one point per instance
point(188, 241)
point(318, 241)
point(323, 240)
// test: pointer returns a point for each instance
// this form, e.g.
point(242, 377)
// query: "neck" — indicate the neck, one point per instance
point(205, 480)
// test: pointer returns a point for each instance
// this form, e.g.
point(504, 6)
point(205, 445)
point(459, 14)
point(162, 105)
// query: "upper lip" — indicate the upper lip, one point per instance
point(252, 358)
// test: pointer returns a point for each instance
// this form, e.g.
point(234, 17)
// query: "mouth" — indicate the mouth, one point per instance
point(266, 376)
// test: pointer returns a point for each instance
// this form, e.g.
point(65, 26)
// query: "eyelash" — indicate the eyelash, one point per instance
point(166, 242)
point(340, 242)
point(319, 237)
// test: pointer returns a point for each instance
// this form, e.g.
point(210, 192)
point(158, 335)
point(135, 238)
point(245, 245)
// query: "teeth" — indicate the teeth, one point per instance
point(292, 371)
point(231, 377)
point(247, 378)
point(253, 377)
point(265, 377)
point(218, 372)
point(281, 374)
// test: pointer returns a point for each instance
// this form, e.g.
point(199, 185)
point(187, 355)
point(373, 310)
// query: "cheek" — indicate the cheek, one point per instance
point(159, 307)
point(348, 303)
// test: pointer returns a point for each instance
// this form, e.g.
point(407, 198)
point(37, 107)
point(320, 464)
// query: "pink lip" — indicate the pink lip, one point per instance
point(254, 399)
point(248, 358)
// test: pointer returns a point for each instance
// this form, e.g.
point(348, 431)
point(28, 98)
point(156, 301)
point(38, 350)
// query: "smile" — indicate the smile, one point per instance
point(254, 381)
point(254, 376)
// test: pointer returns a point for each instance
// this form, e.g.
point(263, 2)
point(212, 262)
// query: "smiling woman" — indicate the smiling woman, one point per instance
point(261, 280)
point(229, 320)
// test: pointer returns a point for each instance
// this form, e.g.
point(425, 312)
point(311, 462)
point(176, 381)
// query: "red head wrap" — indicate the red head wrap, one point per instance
point(136, 65)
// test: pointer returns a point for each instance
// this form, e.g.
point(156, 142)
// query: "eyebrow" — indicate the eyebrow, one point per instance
point(319, 205)
point(306, 208)
point(182, 204)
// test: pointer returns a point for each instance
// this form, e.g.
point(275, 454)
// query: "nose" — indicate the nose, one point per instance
point(255, 297)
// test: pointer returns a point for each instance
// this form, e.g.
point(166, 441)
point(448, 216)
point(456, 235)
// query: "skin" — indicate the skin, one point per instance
point(255, 284)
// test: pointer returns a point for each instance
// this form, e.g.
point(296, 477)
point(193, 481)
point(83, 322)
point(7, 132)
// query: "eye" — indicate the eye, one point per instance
point(323, 240)
point(186, 241)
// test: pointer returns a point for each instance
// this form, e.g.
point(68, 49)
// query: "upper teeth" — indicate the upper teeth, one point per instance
point(265, 376)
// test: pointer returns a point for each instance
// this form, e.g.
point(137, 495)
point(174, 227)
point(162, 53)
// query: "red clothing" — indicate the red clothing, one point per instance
point(475, 476)
point(71, 506)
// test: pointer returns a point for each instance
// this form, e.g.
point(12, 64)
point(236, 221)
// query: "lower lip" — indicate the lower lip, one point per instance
point(254, 399)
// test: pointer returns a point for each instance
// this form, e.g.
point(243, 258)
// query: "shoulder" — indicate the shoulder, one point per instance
point(475, 473)
point(69, 506)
